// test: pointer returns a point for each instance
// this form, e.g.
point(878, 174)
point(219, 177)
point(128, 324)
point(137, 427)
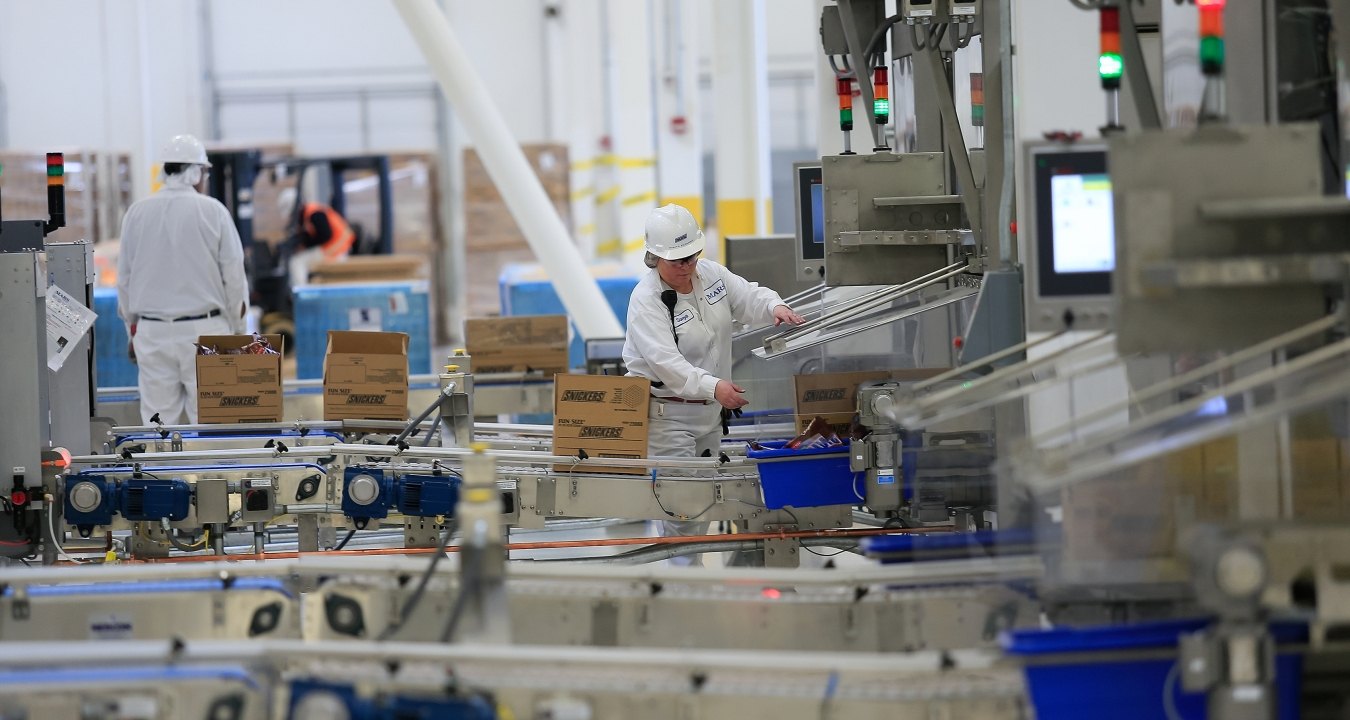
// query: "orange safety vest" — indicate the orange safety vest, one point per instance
point(340, 243)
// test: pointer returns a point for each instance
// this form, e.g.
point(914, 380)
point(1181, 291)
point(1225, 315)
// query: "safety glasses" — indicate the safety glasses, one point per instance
point(686, 261)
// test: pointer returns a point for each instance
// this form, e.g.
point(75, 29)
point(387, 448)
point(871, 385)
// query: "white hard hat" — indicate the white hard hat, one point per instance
point(184, 149)
point(673, 233)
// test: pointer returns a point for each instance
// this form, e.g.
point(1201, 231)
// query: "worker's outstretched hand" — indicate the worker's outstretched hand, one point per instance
point(729, 395)
point(783, 314)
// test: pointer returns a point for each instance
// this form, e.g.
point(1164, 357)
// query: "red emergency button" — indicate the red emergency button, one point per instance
point(18, 497)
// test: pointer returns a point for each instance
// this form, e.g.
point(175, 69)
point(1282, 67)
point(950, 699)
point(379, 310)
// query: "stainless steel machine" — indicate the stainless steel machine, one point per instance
point(1119, 492)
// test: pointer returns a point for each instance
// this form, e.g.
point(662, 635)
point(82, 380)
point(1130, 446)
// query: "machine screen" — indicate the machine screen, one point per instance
point(1075, 225)
point(818, 213)
point(810, 187)
point(1084, 227)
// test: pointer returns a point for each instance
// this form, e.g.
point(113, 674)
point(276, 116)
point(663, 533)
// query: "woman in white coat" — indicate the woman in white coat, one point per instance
point(679, 337)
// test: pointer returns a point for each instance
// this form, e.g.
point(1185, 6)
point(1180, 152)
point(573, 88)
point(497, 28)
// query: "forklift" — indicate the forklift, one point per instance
point(233, 177)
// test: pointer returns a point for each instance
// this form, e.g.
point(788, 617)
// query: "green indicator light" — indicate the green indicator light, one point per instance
point(55, 171)
point(846, 116)
point(1211, 55)
point(881, 107)
point(1110, 66)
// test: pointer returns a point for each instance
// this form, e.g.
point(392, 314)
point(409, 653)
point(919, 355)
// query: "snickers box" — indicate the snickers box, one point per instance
point(834, 396)
point(605, 415)
point(365, 376)
point(239, 388)
point(517, 344)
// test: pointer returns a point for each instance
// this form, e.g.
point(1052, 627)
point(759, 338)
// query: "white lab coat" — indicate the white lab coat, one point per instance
point(690, 370)
point(180, 256)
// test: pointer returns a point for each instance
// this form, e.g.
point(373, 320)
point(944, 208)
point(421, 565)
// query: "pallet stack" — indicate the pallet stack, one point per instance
point(493, 240)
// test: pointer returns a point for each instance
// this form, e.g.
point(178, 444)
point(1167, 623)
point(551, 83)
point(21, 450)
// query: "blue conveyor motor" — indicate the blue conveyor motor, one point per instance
point(93, 500)
point(428, 495)
point(371, 493)
point(313, 699)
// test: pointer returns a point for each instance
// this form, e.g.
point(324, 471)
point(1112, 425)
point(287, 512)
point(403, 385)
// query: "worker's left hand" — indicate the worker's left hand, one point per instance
point(783, 314)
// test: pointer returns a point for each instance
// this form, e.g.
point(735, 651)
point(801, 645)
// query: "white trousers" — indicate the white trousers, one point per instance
point(167, 359)
point(683, 430)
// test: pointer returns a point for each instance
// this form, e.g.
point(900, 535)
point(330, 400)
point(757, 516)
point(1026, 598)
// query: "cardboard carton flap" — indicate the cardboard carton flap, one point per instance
point(376, 343)
point(234, 342)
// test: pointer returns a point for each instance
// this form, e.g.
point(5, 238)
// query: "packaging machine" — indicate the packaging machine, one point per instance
point(1120, 494)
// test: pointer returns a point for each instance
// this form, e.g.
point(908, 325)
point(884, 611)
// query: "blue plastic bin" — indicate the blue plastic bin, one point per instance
point(112, 367)
point(806, 478)
point(900, 548)
point(386, 307)
point(1129, 689)
point(526, 290)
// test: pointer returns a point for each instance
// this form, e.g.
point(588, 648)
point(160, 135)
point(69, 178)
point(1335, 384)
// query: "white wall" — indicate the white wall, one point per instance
point(73, 75)
point(330, 76)
point(345, 76)
point(99, 74)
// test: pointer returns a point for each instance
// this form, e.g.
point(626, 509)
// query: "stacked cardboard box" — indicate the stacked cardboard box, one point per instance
point(1136, 514)
point(98, 191)
point(604, 415)
point(493, 240)
point(518, 344)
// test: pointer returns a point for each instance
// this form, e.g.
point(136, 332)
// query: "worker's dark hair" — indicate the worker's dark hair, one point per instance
point(650, 261)
point(175, 168)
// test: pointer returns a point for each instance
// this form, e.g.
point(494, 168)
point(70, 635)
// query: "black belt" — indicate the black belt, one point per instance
point(185, 318)
point(681, 400)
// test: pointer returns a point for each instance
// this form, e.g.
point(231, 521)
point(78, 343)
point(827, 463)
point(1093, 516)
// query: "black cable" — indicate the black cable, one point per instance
point(420, 590)
point(661, 505)
point(469, 577)
point(426, 439)
point(915, 36)
point(417, 421)
point(878, 36)
point(345, 540)
point(821, 554)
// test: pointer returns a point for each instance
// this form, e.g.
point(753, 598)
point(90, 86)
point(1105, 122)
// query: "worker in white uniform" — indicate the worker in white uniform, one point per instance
point(180, 275)
point(679, 337)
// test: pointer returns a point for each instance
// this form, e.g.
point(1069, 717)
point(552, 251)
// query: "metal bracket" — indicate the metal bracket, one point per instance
point(856, 238)
point(545, 501)
point(20, 609)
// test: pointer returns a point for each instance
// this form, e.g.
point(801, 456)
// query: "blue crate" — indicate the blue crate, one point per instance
point(806, 478)
point(526, 290)
point(900, 548)
point(1129, 689)
point(112, 367)
point(386, 307)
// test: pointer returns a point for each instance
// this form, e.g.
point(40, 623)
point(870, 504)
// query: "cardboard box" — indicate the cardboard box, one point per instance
point(365, 376)
point(1317, 478)
point(517, 344)
point(371, 268)
point(833, 396)
point(605, 415)
point(239, 388)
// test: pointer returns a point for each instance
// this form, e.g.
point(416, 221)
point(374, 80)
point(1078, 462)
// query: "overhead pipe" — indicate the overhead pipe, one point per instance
point(506, 165)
